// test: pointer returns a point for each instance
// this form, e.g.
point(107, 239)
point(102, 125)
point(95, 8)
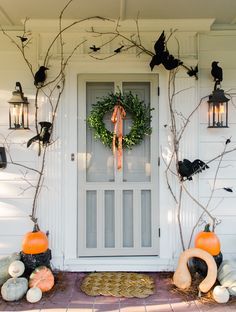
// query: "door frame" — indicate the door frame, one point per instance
point(69, 171)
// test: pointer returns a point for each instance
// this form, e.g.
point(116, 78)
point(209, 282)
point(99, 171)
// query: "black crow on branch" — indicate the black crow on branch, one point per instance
point(44, 134)
point(40, 76)
point(162, 55)
point(118, 50)
point(94, 48)
point(23, 39)
point(188, 168)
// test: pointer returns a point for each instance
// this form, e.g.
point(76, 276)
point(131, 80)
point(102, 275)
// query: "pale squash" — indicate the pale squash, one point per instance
point(43, 278)
point(227, 275)
point(4, 265)
point(182, 277)
point(14, 288)
point(34, 294)
point(16, 268)
point(220, 294)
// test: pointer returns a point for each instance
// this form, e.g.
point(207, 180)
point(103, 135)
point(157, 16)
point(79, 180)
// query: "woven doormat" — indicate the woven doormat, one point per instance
point(118, 284)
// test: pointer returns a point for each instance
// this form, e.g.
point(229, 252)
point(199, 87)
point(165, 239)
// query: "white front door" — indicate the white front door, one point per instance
point(118, 213)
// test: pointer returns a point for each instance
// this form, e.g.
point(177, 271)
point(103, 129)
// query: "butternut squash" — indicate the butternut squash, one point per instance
point(182, 277)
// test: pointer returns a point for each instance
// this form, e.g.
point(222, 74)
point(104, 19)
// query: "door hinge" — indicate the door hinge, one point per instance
point(159, 232)
point(158, 91)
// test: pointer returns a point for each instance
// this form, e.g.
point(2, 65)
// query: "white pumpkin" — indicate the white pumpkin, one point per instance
point(14, 288)
point(4, 265)
point(34, 294)
point(16, 268)
point(221, 294)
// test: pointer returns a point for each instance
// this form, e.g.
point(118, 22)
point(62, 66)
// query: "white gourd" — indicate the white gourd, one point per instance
point(226, 275)
point(4, 265)
point(220, 294)
point(34, 294)
point(16, 268)
point(14, 288)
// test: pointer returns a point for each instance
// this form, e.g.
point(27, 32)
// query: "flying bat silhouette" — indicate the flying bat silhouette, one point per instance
point(188, 168)
point(118, 50)
point(40, 76)
point(94, 48)
point(162, 55)
point(44, 134)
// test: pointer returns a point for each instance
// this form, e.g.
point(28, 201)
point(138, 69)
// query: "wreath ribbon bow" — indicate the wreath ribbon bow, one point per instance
point(117, 119)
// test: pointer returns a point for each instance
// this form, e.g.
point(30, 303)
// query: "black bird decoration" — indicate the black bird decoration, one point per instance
point(118, 50)
point(227, 141)
point(94, 48)
point(40, 76)
point(23, 39)
point(44, 133)
point(217, 73)
point(162, 55)
point(188, 168)
point(193, 71)
point(228, 189)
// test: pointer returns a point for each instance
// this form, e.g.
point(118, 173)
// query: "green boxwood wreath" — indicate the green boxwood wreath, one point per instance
point(141, 116)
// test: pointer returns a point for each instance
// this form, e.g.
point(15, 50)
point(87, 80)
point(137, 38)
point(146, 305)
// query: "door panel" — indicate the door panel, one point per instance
point(117, 210)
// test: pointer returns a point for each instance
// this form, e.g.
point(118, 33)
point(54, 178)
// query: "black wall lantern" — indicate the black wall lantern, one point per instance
point(19, 109)
point(218, 109)
point(3, 157)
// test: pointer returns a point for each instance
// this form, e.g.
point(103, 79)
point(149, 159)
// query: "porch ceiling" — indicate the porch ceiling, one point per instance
point(224, 12)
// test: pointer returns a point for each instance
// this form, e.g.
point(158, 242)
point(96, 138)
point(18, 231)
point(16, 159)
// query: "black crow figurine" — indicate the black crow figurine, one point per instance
point(94, 48)
point(23, 39)
point(40, 76)
point(118, 50)
point(188, 168)
point(162, 55)
point(193, 71)
point(217, 73)
point(44, 134)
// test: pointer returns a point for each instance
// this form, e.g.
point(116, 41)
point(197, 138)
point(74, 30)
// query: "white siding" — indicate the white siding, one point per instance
point(219, 46)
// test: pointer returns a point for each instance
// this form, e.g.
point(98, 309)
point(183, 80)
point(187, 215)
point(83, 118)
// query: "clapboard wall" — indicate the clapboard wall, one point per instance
point(219, 46)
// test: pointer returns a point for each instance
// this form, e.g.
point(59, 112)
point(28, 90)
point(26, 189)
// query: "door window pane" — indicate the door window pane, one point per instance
point(91, 219)
point(128, 219)
point(109, 219)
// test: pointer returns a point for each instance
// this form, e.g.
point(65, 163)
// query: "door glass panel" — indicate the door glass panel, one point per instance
point(99, 159)
point(136, 162)
point(91, 219)
point(128, 219)
point(109, 219)
point(146, 218)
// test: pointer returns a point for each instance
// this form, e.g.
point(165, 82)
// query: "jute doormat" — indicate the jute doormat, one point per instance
point(118, 284)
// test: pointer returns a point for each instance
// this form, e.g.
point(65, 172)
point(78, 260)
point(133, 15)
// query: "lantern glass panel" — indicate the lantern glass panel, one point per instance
point(18, 116)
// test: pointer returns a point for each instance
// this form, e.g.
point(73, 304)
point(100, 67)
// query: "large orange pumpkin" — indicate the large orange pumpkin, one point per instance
point(42, 278)
point(35, 242)
point(208, 241)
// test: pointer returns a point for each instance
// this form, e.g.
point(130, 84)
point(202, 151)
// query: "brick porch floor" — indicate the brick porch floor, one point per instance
point(67, 297)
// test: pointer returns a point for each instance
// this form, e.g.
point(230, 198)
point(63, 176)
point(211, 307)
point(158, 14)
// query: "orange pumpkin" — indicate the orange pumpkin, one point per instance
point(208, 241)
point(42, 278)
point(35, 242)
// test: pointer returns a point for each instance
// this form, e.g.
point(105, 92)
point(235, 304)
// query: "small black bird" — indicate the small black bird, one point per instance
point(162, 55)
point(188, 168)
point(40, 76)
point(216, 72)
point(118, 50)
point(193, 71)
point(23, 39)
point(44, 134)
point(94, 48)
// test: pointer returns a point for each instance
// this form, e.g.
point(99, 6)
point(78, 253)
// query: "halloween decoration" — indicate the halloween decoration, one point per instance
point(162, 55)
point(22, 39)
point(220, 294)
point(40, 76)
point(34, 294)
point(228, 189)
point(94, 48)
point(118, 50)
point(182, 277)
point(32, 261)
point(208, 241)
point(217, 73)
point(141, 115)
point(19, 109)
point(14, 288)
point(3, 157)
point(192, 71)
point(199, 266)
point(4, 265)
point(44, 134)
point(188, 168)
point(42, 278)
point(227, 275)
point(35, 242)
point(16, 268)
